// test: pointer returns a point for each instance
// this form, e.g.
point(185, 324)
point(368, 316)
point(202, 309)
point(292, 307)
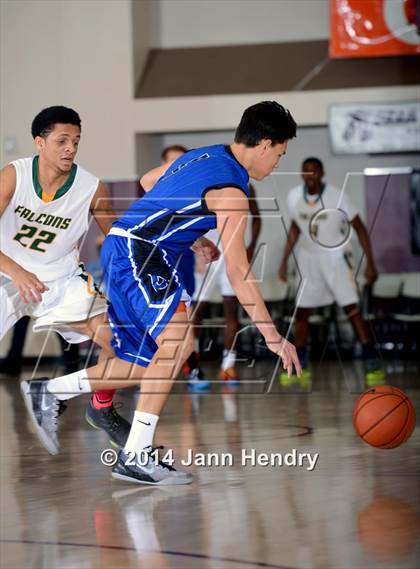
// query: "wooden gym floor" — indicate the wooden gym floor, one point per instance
point(357, 508)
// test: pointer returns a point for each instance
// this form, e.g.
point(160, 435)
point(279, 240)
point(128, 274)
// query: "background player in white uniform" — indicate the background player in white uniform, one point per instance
point(208, 279)
point(44, 206)
point(322, 217)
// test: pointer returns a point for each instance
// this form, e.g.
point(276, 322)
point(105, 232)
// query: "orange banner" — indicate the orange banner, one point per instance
point(374, 28)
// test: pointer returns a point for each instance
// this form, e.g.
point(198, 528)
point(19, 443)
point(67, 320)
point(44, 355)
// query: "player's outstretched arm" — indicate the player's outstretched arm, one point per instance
point(292, 237)
point(29, 286)
point(101, 208)
point(231, 208)
point(363, 236)
point(255, 223)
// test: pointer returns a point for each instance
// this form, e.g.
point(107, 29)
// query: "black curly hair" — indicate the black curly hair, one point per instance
point(44, 121)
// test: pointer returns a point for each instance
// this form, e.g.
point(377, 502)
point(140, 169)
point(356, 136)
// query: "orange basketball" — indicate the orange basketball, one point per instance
point(384, 416)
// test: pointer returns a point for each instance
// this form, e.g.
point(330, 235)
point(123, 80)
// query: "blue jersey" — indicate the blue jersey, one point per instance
point(174, 213)
point(144, 256)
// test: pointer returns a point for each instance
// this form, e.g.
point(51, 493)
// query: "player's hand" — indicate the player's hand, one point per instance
point(206, 249)
point(282, 273)
point(29, 286)
point(200, 265)
point(288, 355)
point(371, 275)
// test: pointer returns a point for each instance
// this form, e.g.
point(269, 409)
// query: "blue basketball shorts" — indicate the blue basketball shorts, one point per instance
point(144, 292)
point(186, 270)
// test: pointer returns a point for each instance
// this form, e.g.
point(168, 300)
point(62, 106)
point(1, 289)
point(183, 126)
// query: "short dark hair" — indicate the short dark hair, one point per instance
point(267, 119)
point(174, 148)
point(314, 160)
point(44, 121)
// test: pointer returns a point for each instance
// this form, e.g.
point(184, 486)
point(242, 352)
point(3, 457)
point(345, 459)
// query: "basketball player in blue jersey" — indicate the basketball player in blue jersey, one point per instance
point(196, 381)
point(204, 189)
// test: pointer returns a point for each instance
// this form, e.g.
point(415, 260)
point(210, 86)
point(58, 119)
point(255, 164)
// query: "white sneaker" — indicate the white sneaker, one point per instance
point(44, 410)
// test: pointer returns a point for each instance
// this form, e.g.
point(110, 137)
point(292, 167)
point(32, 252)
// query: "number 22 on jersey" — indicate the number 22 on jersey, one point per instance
point(29, 232)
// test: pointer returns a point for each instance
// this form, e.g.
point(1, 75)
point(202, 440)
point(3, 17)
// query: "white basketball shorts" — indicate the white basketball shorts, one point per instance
point(326, 278)
point(69, 299)
point(213, 280)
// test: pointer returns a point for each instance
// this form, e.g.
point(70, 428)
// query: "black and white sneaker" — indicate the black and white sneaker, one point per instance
point(116, 427)
point(44, 410)
point(154, 473)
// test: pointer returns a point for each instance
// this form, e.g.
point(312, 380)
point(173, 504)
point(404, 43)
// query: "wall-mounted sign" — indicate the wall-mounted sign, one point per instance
point(374, 128)
point(374, 28)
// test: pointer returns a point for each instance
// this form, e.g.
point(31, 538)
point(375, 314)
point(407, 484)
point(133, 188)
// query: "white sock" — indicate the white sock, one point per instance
point(229, 359)
point(230, 407)
point(71, 385)
point(146, 539)
point(196, 345)
point(142, 431)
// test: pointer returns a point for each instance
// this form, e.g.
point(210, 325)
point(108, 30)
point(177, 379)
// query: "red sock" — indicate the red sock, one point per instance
point(102, 398)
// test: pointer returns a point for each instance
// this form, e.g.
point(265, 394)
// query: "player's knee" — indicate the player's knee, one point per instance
point(302, 314)
point(230, 307)
point(199, 311)
point(107, 351)
point(352, 310)
point(232, 323)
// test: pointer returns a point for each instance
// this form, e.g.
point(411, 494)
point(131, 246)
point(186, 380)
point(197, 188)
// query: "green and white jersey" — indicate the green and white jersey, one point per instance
point(41, 232)
point(323, 219)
